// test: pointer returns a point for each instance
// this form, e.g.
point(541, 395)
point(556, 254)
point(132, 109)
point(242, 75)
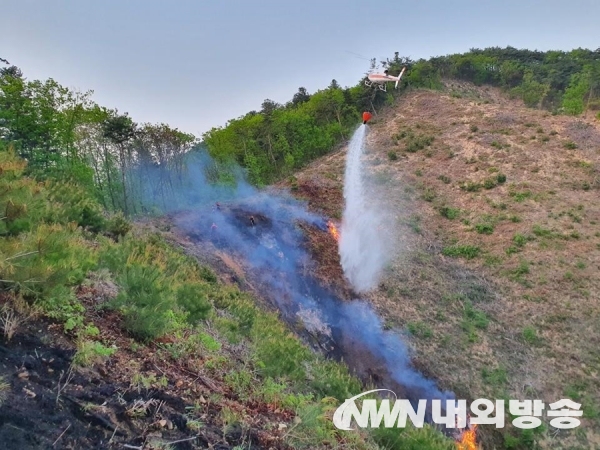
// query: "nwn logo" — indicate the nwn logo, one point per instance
point(396, 417)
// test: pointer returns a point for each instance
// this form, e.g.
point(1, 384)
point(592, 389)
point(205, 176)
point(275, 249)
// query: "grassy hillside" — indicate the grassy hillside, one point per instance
point(498, 223)
point(111, 334)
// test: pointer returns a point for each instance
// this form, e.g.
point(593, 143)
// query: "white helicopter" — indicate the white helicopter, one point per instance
point(381, 79)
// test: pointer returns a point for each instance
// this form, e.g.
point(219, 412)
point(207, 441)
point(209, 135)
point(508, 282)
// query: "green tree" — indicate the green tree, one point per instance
point(302, 96)
point(573, 100)
point(120, 130)
point(581, 90)
point(531, 91)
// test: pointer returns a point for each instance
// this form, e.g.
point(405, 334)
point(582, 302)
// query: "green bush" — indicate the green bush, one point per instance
point(449, 213)
point(193, 298)
point(89, 352)
point(464, 251)
point(329, 379)
point(91, 218)
point(44, 265)
point(314, 429)
point(475, 317)
point(520, 196)
point(207, 274)
point(470, 186)
point(501, 178)
point(416, 143)
point(70, 203)
point(240, 306)
point(147, 303)
point(17, 226)
point(277, 351)
point(489, 183)
point(429, 195)
point(484, 228)
point(241, 382)
point(530, 335)
point(118, 226)
point(419, 329)
point(495, 377)
point(520, 240)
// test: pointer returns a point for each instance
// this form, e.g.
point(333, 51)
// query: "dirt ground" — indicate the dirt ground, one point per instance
point(516, 191)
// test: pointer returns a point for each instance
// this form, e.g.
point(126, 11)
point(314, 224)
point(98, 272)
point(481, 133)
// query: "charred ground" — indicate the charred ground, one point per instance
point(139, 398)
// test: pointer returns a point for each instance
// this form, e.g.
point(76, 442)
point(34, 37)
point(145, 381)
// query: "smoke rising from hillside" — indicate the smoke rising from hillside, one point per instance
point(194, 181)
point(259, 230)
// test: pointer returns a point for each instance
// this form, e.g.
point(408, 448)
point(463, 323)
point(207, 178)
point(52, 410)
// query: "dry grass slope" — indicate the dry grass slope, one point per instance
point(498, 223)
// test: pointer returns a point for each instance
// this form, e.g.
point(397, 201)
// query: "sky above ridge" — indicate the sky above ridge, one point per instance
point(196, 64)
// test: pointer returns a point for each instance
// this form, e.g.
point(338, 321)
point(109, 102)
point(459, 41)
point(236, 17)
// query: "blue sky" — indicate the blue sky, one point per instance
point(195, 64)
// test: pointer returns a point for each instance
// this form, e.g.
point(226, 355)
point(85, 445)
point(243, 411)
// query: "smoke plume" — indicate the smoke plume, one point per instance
point(261, 230)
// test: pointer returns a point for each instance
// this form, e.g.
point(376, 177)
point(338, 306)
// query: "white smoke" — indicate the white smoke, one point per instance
point(363, 246)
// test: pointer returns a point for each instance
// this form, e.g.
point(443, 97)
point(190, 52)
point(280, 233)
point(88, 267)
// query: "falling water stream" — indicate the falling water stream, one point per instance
point(363, 250)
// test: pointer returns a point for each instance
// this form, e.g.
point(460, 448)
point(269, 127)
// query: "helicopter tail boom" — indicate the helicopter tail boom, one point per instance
point(400, 76)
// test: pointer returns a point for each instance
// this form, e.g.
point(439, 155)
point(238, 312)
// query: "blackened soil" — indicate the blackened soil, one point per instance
point(50, 405)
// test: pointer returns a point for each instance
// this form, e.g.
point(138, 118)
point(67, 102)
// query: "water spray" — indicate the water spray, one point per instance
point(362, 247)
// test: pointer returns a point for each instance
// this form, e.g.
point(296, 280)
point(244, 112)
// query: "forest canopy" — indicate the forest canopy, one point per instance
point(279, 139)
point(63, 133)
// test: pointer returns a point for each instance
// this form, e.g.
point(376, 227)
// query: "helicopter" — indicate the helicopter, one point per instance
point(381, 79)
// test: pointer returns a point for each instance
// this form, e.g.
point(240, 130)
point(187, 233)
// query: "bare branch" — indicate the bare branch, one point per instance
point(61, 435)
point(70, 376)
point(20, 255)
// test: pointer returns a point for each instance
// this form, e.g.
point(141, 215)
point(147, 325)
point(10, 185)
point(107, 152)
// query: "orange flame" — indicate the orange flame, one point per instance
point(468, 439)
point(333, 230)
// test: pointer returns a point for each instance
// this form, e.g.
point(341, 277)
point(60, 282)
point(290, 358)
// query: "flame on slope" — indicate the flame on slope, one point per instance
point(333, 230)
point(468, 439)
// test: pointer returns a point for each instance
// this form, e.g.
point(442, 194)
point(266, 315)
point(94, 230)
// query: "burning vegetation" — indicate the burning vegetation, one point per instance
point(276, 250)
point(333, 230)
point(467, 440)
